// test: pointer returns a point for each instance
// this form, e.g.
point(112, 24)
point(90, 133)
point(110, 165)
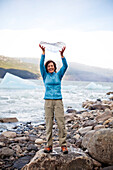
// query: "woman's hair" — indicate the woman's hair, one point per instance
point(49, 61)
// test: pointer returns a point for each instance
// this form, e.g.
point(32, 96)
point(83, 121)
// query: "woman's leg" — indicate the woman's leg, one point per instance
point(59, 116)
point(49, 114)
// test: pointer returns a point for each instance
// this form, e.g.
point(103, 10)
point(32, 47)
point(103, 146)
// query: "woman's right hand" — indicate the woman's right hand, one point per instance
point(43, 49)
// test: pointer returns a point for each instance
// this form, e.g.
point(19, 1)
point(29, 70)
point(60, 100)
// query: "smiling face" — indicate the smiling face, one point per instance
point(50, 67)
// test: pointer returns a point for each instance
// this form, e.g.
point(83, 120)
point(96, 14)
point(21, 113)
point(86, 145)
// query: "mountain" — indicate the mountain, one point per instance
point(29, 68)
point(81, 72)
point(19, 68)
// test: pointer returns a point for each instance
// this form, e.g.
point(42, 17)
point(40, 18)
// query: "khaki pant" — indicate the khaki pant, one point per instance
point(55, 108)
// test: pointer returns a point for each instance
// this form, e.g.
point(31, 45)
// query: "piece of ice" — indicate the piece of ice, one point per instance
point(53, 47)
point(12, 81)
point(94, 86)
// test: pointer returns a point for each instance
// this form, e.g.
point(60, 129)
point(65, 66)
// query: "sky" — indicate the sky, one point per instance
point(85, 26)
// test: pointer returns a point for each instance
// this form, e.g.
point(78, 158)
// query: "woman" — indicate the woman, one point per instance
point(53, 99)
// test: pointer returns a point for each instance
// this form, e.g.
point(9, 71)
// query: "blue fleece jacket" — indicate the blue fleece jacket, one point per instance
point(52, 81)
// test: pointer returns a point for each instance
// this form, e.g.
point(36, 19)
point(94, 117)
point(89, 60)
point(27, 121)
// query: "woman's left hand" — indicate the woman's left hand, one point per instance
point(62, 51)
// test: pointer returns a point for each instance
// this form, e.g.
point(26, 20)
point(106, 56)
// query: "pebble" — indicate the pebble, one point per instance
point(18, 146)
point(9, 134)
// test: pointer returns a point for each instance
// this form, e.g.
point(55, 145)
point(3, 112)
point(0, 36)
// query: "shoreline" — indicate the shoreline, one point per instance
point(18, 147)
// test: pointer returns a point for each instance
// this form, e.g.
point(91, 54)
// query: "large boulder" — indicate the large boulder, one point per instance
point(86, 138)
point(76, 159)
point(100, 145)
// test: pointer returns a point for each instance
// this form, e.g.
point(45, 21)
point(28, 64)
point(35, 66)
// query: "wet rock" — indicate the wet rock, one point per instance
point(75, 159)
point(77, 136)
point(41, 127)
point(108, 168)
point(96, 164)
point(69, 118)
point(9, 134)
point(32, 147)
point(108, 93)
point(87, 114)
point(79, 143)
point(8, 120)
point(16, 148)
point(87, 103)
point(86, 138)
point(32, 138)
point(108, 121)
point(68, 136)
point(6, 152)
point(89, 123)
point(111, 124)
point(111, 98)
point(70, 110)
point(21, 162)
point(2, 144)
point(97, 127)
point(100, 146)
point(98, 106)
point(106, 115)
point(39, 141)
point(99, 100)
point(83, 131)
point(76, 125)
point(23, 138)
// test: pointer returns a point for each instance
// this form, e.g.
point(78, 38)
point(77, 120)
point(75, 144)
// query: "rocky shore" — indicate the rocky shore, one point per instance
point(89, 141)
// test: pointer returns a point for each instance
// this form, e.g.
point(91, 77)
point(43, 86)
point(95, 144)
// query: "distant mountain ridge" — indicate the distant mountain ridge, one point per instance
point(19, 68)
point(81, 72)
point(75, 71)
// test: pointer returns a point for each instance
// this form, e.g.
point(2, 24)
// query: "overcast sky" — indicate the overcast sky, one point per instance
point(86, 26)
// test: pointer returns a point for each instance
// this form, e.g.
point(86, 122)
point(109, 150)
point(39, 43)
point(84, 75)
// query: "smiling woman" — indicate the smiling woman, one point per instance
point(53, 99)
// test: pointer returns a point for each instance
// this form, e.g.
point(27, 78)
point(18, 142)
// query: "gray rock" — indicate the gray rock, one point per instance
point(21, 162)
point(89, 123)
point(108, 168)
point(108, 93)
point(9, 134)
point(98, 106)
point(86, 138)
point(76, 159)
point(111, 124)
point(97, 127)
point(32, 147)
point(106, 115)
point(83, 131)
point(70, 110)
point(100, 146)
point(8, 120)
point(2, 144)
point(6, 152)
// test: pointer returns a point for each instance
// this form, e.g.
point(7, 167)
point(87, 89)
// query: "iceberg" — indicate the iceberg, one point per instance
point(11, 81)
point(94, 86)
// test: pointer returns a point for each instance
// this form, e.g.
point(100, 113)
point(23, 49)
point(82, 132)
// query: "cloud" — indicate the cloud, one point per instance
point(91, 48)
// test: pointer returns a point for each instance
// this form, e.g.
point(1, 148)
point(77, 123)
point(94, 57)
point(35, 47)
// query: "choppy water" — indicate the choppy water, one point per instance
point(28, 105)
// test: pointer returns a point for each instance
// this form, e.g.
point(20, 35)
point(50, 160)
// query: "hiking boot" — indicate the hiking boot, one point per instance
point(64, 149)
point(48, 149)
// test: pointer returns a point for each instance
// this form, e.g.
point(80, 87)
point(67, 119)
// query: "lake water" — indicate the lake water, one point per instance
point(28, 105)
